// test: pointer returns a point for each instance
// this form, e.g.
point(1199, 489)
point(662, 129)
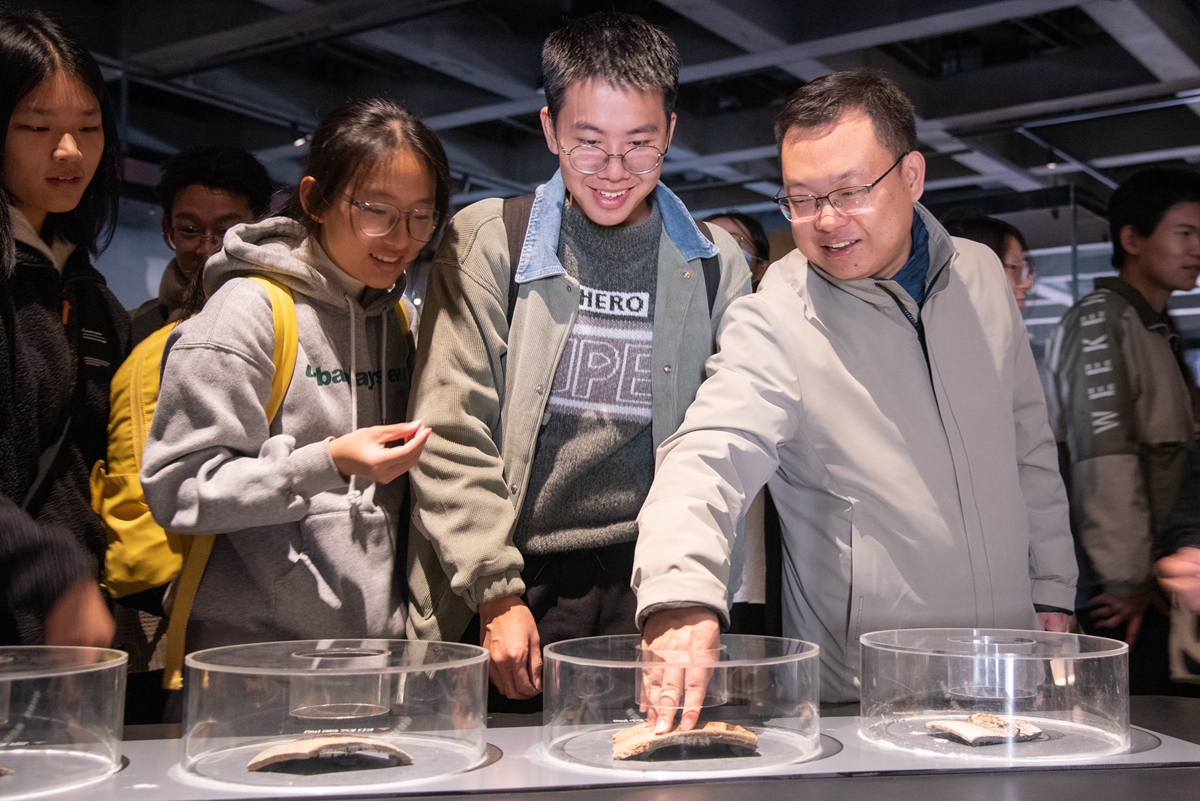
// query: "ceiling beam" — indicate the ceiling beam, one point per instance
point(731, 25)
point(416, 46)
point(917, 28)
point(982, 163)
point(1164, 35)
point(1027, 112)
point(929, 25)
point(315, 24)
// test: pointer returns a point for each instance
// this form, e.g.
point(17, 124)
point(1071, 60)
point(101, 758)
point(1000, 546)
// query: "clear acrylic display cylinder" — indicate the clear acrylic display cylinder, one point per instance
point(1072, 687)
point(61, 712)
point(336, 713)
point(595, 688)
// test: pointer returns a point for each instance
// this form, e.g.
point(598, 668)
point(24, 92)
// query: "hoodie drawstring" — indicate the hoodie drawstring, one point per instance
point(353, 494)
point(383, 368)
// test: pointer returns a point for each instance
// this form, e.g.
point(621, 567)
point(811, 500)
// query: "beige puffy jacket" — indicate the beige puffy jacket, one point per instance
point(913, 491)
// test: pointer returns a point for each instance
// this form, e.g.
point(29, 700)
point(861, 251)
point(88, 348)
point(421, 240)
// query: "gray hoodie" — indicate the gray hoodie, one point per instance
point(309, 555)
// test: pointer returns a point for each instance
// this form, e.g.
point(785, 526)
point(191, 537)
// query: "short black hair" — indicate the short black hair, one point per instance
point(983, 229)
point(758, 236)
point(229, 169)
point(619, 49)
point(351, 141)
point(1144, 198)
point(34, 47)
point(824, 101)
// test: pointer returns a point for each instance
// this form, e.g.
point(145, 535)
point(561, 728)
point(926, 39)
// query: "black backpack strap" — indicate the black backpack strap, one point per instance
point(712, 269)
point(773, 556)
point(517, 211)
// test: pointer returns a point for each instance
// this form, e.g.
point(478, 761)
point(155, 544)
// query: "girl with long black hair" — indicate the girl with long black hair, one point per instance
point(63, 334)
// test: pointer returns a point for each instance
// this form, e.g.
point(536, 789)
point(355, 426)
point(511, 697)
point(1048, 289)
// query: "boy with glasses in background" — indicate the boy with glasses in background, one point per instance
point(204, 192)
point(559, 347)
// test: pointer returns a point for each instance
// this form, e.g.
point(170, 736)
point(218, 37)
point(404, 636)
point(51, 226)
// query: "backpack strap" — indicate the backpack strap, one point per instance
point(402, 317)
point(712, 269)
point(517, 211)
point(287, 340)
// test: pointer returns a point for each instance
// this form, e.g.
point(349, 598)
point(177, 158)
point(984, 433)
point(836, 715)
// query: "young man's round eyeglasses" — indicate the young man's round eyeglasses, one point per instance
point(189, 236)
point(589, 159)
point(379, 219)
point(847, 200)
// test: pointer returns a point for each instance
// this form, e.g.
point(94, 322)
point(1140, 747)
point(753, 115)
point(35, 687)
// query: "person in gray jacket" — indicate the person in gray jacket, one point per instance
point(881, 384)
point(1121, 407)
point(546, 403)
point(308, 506)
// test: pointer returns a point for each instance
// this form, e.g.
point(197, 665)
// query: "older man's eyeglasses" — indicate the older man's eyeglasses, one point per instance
point(589, 159)
point(847, 200)
point(379, 219)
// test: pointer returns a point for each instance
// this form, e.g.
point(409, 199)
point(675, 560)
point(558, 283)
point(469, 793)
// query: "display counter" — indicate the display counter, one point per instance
point(1167, 766)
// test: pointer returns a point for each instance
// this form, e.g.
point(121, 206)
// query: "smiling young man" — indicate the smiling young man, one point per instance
point(204, 192)
point(880, 382)
point(546, 404)
point(1121, 407)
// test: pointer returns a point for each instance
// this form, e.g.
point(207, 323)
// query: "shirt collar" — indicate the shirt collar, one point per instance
point(539, 254)
point(916, 269)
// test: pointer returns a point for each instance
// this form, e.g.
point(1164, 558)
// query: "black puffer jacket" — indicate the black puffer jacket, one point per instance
point(63, 337)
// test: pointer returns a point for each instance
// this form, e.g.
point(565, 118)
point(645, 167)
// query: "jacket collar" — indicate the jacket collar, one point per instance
point(172, 288)
point(539, 254)
point(872, 290)
point(1149, 317)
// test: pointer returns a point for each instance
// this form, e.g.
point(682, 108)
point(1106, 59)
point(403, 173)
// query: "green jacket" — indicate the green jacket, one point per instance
point(1122, 414)
point(482, 387)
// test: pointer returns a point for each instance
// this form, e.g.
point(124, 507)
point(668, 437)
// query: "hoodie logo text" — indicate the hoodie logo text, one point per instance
point(364, 378)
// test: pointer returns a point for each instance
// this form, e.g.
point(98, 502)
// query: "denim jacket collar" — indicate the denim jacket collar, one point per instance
point(539, 255)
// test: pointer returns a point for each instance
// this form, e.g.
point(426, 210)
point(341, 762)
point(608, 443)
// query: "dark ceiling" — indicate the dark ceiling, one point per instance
point(986, 77)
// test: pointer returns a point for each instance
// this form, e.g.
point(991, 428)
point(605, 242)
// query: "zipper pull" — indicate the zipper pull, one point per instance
point(66, 310)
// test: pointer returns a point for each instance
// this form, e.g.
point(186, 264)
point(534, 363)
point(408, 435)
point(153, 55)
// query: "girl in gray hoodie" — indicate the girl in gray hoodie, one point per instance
point(310, 504)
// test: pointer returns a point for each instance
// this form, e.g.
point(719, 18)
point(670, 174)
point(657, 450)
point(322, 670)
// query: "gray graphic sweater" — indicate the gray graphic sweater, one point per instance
point(307, 555)
point(595, 454)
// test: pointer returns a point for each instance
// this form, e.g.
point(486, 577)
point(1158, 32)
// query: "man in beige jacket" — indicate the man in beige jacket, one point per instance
point(881, 383)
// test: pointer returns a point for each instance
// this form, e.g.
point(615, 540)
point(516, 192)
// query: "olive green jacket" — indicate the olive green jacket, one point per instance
point(482, 387)
point(1122, 413)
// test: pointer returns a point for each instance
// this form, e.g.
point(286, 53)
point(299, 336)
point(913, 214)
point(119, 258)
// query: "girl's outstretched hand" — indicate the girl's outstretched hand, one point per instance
point(380, 453)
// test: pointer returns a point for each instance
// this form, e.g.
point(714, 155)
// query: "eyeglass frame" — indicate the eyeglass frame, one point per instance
point(746, 245)
point(780, 200)
point(608, 156)
point(1024, 271)
point(405, 215)
point(203, 234)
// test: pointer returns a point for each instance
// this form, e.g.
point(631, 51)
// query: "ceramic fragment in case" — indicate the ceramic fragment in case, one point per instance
point(759, 707)
point(315, 715)
point(996, 694)
point(61, 710)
